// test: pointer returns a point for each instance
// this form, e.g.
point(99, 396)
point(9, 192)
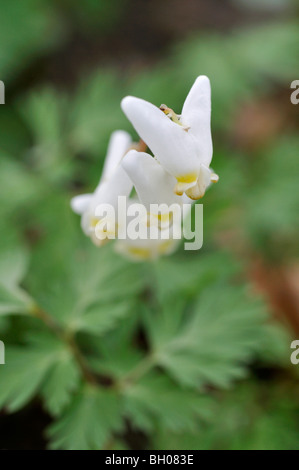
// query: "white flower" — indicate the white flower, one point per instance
point(113, 183)
point(149, 248)
point(150, 224)
point(182, 144)
point(144, 250)
point(154, 186)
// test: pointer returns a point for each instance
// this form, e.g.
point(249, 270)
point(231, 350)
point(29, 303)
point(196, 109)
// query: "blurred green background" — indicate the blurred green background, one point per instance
point(190, 351)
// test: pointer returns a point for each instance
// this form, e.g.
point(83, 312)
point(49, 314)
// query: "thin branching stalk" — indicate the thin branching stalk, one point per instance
point(69, 340)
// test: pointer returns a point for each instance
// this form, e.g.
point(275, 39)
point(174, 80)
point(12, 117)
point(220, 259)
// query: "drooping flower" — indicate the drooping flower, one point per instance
point(182, 144)
point(114, 182)
point(165, 183)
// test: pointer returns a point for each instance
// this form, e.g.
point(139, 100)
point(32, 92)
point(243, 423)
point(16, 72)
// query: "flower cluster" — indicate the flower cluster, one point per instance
point(177, 174)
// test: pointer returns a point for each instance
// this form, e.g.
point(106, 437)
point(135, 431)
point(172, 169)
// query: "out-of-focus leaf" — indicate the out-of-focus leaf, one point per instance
point(46, 115)
point(14, 301)
point(275, 348)
point(61, 383)
point(96, 113)
point(211, 343)
point(18, 187)
point(89, 421)
point(27, 368)
point(26, 30)
point(158, 401)
point(13, 257)
point(100, 318)
point(272, 209)
point(251, 417)
point(237, 66)
point(190, 274)
point(96, 15)
point(13, 267)
point(91, 290)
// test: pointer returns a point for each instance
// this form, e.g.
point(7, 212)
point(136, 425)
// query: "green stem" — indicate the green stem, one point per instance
point(69, 340)
point(138, 372)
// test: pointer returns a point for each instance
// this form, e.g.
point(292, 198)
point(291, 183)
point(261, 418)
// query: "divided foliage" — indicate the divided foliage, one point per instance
point(160, 349)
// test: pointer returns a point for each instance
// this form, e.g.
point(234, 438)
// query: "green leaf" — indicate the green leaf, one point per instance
point(96, 113)
point(115, 360)
point(37, 29)
point(271, 216)
point(92, 290)
point(13, 267)
point(189, 274)
point(46, 115)
point(101, 318)
point(26, 370)
point(245, 68)
point(62, 381)
point(157, 401)
point(89, 422)
point(14, 301)
point(275, 348)
point(18, 187)
point(210, 342)
point(251, 417)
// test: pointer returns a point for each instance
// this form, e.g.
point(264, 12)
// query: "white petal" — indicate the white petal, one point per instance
point(152, 183)
point(107, 193)
point(196, 114)
point(169, 142)
point(119, 184)
point(203, 182)
point(119, 144)
point(79, 204)
point(186, 200)
point(144, 250)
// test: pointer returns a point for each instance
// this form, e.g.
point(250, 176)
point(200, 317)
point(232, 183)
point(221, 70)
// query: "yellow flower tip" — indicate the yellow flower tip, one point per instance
point(164, 247)
point(97, 242)
point(178, 191)
point(195, 193)
point(214, 178)
point(139, 253)
point(185, 182)
point(160, 220)
point(193, 197)
point(144, 254)
point(103, 234)
point(166, 217)
point(93, 222)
